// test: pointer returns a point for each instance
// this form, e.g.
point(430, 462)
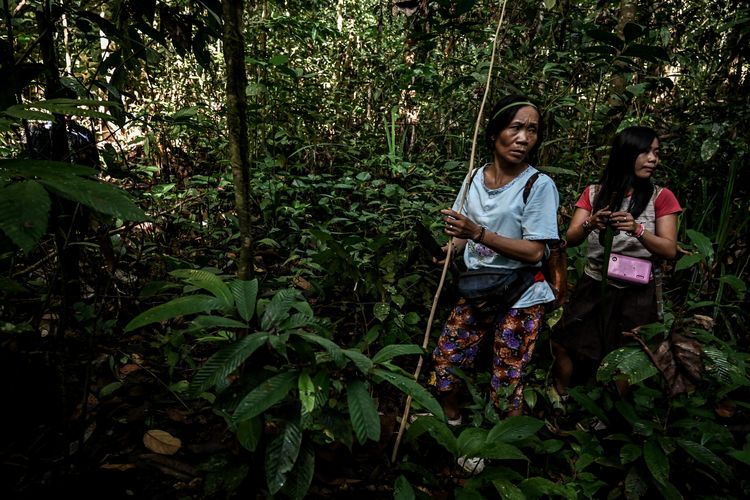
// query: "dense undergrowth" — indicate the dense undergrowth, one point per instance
point(124, 328)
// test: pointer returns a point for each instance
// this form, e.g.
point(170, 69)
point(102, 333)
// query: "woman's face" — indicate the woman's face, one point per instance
point(515, 141)
point(646, 162)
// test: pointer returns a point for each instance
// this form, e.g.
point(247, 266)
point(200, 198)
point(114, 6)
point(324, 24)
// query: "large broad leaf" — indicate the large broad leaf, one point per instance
point(278, 309)
point(245, 294)
point(540, 487)
point(205, 324)
point(249, 432)
point(363, 412)
point(281, 454)
point(362, 362)
point(471, 441)
point(391, 351)
point(207, 281)
point(514, 429)
point(298, 481)
point(413, 389)
point(656, 461)
point(226, 361)
point(438, 430)
point(402, 489)
point(181, 306)
point(630, 361)
point(702, 243)
point(508, 490)
point(267, 394)
point(501, 451)
point(707, 457)
point(24, 226)
point(331, 347)
point(98, 196)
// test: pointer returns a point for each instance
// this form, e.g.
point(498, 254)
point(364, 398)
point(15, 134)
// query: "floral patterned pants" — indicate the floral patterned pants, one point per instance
point(464, 334)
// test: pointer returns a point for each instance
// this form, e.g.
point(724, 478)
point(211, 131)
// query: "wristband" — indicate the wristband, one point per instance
point(480, 238)
point(586, 226)
point(639, 233)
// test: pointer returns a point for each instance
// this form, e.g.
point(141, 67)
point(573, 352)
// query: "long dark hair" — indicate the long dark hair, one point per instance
point(502, 114)
point(619, 175)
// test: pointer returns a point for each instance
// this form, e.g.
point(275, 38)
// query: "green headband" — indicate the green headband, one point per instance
point(508, 106)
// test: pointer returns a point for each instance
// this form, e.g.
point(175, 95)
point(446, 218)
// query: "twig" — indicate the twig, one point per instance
point(425, 341)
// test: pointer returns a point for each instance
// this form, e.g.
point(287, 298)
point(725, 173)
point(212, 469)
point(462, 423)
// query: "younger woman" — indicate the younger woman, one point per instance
point(644, 218)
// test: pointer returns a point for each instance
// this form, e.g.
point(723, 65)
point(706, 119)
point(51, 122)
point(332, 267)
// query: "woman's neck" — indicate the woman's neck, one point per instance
point(498, 174)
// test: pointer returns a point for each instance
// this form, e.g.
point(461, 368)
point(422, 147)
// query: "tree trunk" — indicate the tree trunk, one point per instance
point(628, 9)
point(234, 57)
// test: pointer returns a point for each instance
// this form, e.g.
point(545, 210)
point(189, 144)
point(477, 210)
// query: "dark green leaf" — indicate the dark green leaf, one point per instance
point(707, 457)
point(281, 454)
point(208, 281)
point(24, 211)
point(656, 461)
point(298, 481)
point(226, 361)
point(363, 412)
point(181, 306)
point(413, 389)
point(249, 433)
point(245, 294)
point(514, 429)
point(439, 431)
point(267, 394)
point(402, 489)
point(391, 351)
point(362, 362)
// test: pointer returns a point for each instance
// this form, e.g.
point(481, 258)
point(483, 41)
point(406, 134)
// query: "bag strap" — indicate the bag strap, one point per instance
point(528, 186)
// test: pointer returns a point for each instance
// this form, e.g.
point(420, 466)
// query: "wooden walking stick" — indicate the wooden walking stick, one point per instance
point(407, 406)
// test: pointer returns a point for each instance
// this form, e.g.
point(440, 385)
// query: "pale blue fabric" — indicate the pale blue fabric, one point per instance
point(503, 211)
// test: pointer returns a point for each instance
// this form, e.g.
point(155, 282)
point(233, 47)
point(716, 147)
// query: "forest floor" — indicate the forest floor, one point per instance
point(135, 438)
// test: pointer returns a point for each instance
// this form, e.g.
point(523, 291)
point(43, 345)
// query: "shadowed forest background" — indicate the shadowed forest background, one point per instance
point(210, 283)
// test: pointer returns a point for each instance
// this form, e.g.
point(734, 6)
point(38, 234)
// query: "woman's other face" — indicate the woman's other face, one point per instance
point(646, 162)
point(515, 141)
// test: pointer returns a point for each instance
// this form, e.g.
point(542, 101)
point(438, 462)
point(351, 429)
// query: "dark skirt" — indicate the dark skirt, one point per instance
point(593, 321)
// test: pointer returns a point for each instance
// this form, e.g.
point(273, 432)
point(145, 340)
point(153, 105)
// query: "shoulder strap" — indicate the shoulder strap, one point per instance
point(527, 187)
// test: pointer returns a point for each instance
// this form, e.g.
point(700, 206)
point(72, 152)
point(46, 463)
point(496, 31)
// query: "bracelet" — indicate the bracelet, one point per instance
point(586, 226)
point(639, 232)
point(480, 239)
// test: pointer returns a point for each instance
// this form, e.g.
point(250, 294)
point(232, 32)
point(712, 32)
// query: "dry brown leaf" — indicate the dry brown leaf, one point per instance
point(128, 369)
point(118, 466)
point(161, 442)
